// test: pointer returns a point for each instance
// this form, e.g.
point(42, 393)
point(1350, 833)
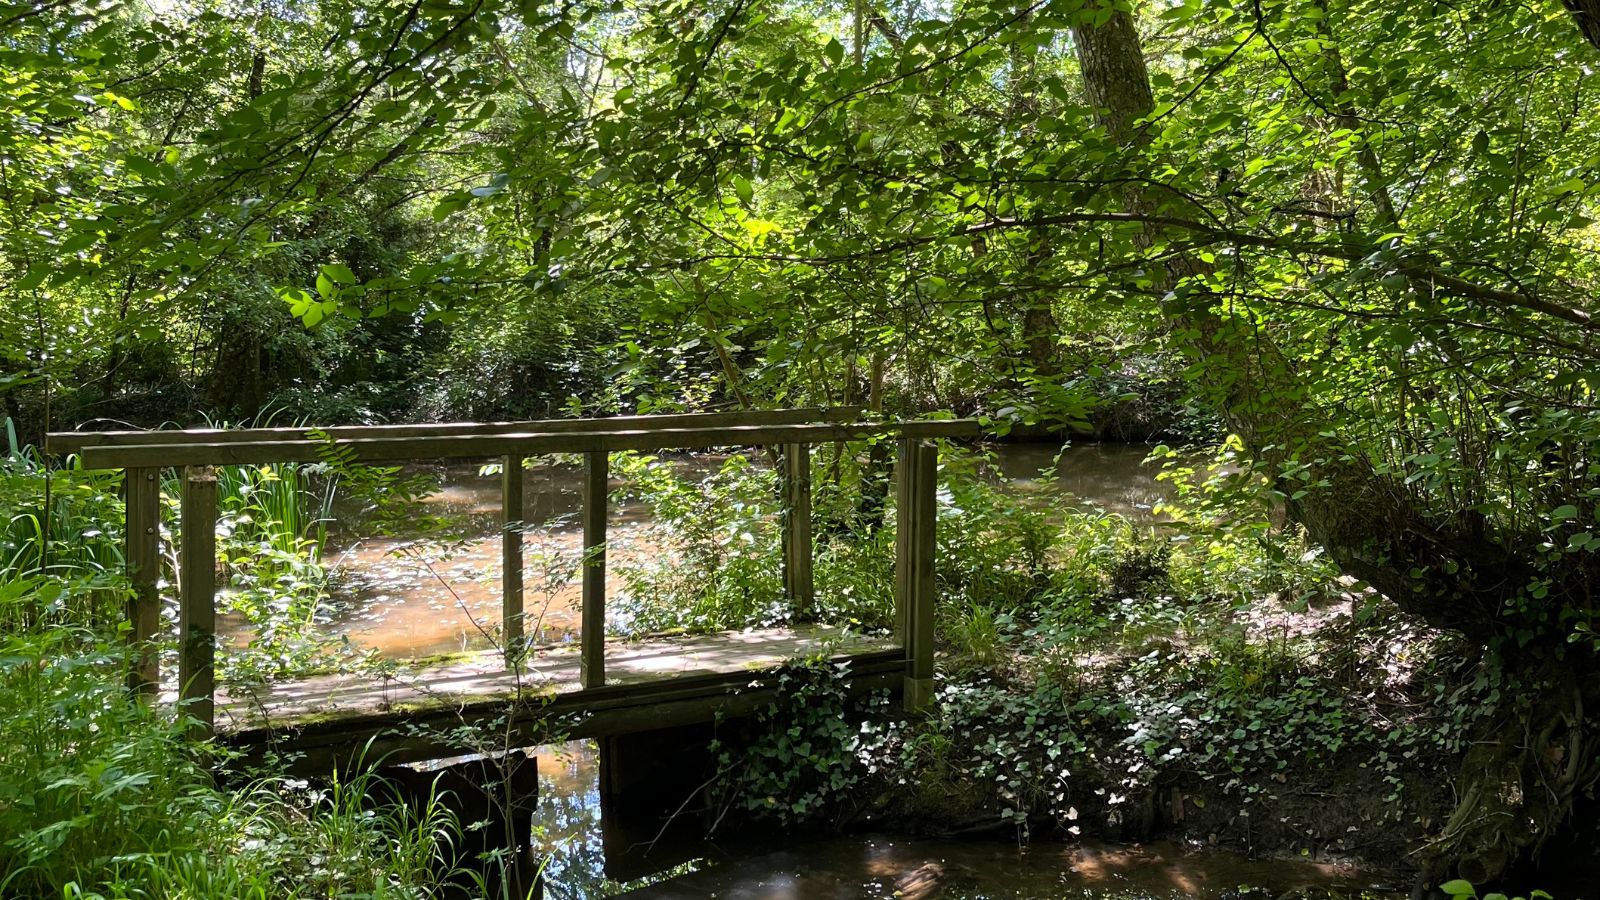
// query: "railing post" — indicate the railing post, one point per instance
point(512, 524)
point(798, 582)
point(915, 545)
point(904, 475)
point(141, 554)
point(596, 490)
point(197, 613)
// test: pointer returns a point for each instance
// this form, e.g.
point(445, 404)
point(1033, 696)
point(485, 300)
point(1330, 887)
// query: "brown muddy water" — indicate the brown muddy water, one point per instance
point(406, 599)
point(580, 845)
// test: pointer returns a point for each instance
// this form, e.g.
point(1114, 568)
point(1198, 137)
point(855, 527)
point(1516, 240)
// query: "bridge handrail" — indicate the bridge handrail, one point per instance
point(525, 443)
point(144, 454)
point(76, 441)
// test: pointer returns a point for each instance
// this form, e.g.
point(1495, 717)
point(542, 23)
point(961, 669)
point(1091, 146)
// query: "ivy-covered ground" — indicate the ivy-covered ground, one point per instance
point(1206, 677)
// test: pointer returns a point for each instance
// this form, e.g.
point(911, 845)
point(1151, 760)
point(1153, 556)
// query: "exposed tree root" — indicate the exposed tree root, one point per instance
point(1518, 785)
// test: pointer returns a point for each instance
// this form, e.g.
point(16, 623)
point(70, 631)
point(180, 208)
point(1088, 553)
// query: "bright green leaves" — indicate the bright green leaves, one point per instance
point(834, 51)
point(306, 307)
point(1460, 889)
point(333, 278)
point(337, 290)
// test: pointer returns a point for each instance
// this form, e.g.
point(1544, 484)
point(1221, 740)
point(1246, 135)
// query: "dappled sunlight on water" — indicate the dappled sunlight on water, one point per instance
point(848, 867)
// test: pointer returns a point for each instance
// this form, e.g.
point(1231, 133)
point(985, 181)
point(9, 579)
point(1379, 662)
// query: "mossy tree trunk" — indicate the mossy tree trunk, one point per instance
point(1518, 783)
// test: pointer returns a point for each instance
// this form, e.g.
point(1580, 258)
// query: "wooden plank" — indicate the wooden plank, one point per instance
point(650, 667)
point(418, 735)
point(512, 526)
point(527, 444)
point(799, 584)
point(950, 429)
point(197, 645)
point(596, 500)
point(923, 548)
point(75, 441)
point(141, 553)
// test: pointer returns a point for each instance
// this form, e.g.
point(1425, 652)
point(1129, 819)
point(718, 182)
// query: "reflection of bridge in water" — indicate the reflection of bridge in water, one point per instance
point(587, 690)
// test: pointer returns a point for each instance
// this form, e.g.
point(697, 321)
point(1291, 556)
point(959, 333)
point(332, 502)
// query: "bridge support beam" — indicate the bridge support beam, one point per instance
point(197, 604)
point(513, 523)
point(141, 551)
point(650, 787)
point(916, 591)
point(493, 798)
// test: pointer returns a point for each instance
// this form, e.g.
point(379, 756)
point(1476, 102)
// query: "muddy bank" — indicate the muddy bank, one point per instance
point(1338, 815)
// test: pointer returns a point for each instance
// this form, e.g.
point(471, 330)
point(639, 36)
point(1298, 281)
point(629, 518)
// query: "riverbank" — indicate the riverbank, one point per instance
point(1323, 745)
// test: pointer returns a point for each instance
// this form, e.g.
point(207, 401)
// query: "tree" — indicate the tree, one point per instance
point(1366, 229)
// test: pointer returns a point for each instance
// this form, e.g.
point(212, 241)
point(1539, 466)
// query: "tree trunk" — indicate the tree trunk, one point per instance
point(1586, 15)
point(1514, 790)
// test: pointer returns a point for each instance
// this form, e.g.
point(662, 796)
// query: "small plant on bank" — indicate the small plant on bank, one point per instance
point(719, 565)
point(812, 749)
point(1463, 890)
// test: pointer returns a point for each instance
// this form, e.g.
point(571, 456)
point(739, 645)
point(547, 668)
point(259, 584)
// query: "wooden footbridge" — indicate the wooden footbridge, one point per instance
point(590, 690)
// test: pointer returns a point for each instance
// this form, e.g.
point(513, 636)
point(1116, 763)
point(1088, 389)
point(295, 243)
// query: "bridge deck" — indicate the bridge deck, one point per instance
point(667, 680)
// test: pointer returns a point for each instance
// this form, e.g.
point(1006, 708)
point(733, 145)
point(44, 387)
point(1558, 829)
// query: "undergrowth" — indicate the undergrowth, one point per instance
point(102, 795)
point(1103, 676)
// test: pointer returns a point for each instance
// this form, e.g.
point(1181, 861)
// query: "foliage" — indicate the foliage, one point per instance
point(720, 565)
point(1361, 234)
point(1463, 890)
point(993, 543)
point(101, 796)
point(813, 748)
point(1018, 749)
point(59, 542)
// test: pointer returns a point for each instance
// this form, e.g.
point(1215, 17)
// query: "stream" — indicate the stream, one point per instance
point(394, 604)
point(580, 846)
point(401, 608)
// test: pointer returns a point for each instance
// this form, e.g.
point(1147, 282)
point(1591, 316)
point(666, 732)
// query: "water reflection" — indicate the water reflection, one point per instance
point(1113, 477)
point(567, 822)
point(847, 867)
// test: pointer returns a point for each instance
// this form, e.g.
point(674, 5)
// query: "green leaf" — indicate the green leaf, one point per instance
point(451, 204)
point(1459, 888)
point(743, 188)
point(834, 51)
point(339, 273)
point(496, 185)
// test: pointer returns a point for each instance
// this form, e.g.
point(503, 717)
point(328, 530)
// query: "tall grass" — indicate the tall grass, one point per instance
point(57, 530)
point(283, 506)
point(272, 530)
point(103, 796)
